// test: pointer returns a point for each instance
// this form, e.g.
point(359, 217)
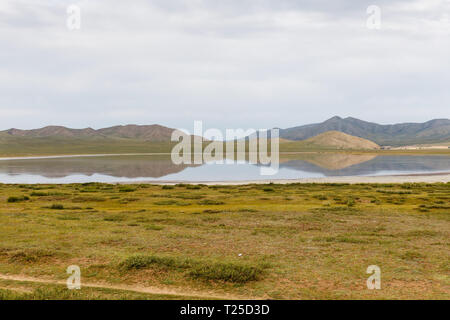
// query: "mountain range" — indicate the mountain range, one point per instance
point(433, 131)
point(332, 133)
point(55, 140)
point(154, 133)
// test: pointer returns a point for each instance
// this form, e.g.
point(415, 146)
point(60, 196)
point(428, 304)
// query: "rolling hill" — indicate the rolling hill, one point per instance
point(53, 140)
point(339, 140)
point(433, 131)
point(331, 140)
point(153, 132)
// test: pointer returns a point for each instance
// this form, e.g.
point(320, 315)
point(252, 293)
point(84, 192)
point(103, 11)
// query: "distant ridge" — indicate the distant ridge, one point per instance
point(402, 134)
point(433, 131)
point(51, 131)
point(153, 133)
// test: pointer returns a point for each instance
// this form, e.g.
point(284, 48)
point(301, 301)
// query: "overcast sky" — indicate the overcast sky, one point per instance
point(230, 63)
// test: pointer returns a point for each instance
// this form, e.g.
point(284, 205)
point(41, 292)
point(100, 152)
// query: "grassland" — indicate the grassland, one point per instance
point(52, 146)
point(48, 146)
point(295, 241)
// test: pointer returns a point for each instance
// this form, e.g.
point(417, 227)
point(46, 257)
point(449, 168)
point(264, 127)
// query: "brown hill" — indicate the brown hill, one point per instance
point(339, 140)
point(51, 131)
point(399, 134)
point(153, 133)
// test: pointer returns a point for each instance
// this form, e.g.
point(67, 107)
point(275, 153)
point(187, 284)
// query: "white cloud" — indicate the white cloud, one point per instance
point(235, 63)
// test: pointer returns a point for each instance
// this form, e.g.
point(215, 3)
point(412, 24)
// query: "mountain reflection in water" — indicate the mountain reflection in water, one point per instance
point(153, 167)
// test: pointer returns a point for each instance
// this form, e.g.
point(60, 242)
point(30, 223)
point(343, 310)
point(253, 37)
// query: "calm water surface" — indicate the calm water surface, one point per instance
point(160, 168)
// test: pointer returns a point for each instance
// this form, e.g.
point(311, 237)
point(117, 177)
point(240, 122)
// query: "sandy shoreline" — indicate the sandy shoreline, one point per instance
point(411, 178)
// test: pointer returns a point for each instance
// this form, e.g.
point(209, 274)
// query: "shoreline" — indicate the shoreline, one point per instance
point(433, 177)
point(81, 156)
point(430, 152)
point(442, 177)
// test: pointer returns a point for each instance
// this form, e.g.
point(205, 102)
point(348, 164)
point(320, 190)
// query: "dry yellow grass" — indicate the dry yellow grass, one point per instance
point(298, 241)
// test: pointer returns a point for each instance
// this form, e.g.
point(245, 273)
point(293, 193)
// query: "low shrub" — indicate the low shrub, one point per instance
point(247, 210)
point(142, 262)
point(229, 272)
point(209, 202)
point(166, 202)
point(226, 272)
point(18, 199)
point(153, 227)
point(193, 187)
point(88, 199)
point(114, 218)
point(29, 256)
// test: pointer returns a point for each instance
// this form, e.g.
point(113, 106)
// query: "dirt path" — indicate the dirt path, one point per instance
point(140, 289)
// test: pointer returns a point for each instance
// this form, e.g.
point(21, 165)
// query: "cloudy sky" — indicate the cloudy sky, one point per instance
point(230, 63)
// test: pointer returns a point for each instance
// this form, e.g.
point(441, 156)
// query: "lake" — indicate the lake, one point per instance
point(134, 168)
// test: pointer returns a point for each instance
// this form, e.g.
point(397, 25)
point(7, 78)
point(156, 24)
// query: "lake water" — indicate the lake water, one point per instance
point(160, 168)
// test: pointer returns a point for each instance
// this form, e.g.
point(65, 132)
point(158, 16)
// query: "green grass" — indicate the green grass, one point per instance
point(24, 146)
point(231, 272)
point(45, 146)
point(296, 241)
point(154, 227)
point(226, 272)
